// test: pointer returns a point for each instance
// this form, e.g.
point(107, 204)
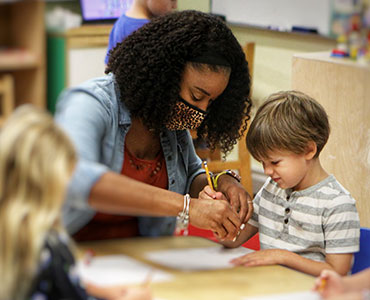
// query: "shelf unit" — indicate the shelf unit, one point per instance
point(22, 50)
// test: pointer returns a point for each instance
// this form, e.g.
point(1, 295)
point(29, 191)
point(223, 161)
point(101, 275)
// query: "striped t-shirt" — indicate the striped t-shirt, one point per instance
point(312, 222)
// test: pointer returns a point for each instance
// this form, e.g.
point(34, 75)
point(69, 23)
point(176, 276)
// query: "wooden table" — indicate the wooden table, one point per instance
point(227, 284)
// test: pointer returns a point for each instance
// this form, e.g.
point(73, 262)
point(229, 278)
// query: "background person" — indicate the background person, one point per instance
point(139, 13)
point(36, 163)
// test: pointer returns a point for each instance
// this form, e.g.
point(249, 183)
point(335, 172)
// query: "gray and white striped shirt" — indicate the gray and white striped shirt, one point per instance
point(312, 222)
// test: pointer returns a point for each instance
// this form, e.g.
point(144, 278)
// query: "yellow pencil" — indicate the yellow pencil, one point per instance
point(208, 175)
point(322, 284)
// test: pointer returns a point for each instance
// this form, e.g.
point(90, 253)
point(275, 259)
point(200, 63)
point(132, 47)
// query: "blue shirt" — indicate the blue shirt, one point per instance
point(122, 28)
point(97, 122)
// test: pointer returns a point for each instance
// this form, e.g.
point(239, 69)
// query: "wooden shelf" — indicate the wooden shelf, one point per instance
point(17, 59)
point(23, 50)
point(88, 36)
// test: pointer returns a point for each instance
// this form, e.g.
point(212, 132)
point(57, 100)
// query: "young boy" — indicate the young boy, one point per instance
point(306, 220)
point(140, 12)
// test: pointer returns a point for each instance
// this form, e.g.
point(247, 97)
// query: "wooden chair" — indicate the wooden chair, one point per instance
point(7, 102)
point(242, 164)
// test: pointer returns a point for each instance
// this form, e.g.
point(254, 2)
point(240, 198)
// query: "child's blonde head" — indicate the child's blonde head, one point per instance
point(36, 162)
point(287, 121)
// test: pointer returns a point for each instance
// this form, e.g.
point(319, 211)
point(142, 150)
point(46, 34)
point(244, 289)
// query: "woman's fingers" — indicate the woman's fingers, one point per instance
point(217, 216)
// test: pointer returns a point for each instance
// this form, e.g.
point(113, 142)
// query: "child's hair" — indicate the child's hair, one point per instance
point(36, 162)
point(287, 121)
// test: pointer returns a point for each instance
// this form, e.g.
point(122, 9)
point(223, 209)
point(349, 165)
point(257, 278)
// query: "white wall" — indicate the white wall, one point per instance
point(84, 64)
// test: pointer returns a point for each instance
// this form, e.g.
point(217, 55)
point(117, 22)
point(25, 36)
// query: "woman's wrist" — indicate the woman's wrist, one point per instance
point(182, 219)
point(227, 175)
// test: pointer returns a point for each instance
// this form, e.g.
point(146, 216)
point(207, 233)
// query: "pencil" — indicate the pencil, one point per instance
point(148, 279)
point(208, 175)
point(322, 284)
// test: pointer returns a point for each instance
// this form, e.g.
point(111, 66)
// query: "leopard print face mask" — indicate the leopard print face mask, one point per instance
point(185, 116)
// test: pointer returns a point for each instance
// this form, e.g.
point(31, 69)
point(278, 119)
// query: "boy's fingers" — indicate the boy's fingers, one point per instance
point(210, 192)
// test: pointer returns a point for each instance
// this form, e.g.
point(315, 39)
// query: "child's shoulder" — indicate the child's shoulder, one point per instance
point(124, 19)
point(331, 189)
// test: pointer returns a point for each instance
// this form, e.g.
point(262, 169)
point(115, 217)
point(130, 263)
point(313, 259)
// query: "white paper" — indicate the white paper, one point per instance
point(210, 258)
point(118, 269)
point(306, 295)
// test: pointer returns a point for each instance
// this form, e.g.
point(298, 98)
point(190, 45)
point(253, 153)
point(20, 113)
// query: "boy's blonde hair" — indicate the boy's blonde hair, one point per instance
point(287, 121)
point(36, 162)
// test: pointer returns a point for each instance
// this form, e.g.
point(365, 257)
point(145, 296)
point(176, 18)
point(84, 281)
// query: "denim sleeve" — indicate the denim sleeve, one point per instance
point(195, 163)
point(85, 120)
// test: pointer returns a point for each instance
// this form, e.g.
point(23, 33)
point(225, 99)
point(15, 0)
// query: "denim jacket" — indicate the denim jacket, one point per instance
point(97, 122)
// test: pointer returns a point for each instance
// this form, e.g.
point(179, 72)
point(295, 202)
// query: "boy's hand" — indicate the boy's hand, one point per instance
point(259, 258)
point(208, 193)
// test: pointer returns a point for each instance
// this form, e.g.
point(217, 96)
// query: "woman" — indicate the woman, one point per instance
point(181, 71)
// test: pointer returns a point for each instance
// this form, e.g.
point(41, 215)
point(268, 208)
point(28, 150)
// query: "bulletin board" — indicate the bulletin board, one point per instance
point(283, 15)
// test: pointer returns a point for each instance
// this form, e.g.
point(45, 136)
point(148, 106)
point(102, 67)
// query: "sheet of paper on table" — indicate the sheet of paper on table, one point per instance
point(191, 259)
point(306, 295)
point(119, 269)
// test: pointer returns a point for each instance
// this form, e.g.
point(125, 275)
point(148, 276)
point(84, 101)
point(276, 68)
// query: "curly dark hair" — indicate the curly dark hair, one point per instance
point(148, 66)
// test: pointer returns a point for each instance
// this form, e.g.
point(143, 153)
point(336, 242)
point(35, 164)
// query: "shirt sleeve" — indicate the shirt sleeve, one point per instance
point(194, 162)
point(256, 204)
point(85, 120)
point(341, 226)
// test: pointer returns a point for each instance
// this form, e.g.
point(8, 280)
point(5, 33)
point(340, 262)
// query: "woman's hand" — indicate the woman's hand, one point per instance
point(217, 216)
point(238, 197)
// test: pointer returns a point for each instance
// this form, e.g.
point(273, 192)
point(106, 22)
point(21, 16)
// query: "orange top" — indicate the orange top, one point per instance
point(153, 172)
point(106, 226)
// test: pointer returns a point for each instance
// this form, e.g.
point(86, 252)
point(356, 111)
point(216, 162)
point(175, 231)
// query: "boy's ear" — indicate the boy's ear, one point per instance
point(311, 150)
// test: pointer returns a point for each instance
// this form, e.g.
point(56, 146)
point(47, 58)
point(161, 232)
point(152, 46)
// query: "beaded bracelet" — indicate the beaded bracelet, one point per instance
point(182, 219)
point(227, 172)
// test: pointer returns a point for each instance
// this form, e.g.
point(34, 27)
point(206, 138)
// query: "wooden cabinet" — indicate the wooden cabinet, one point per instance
point(22, 51)
point(343, 88)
